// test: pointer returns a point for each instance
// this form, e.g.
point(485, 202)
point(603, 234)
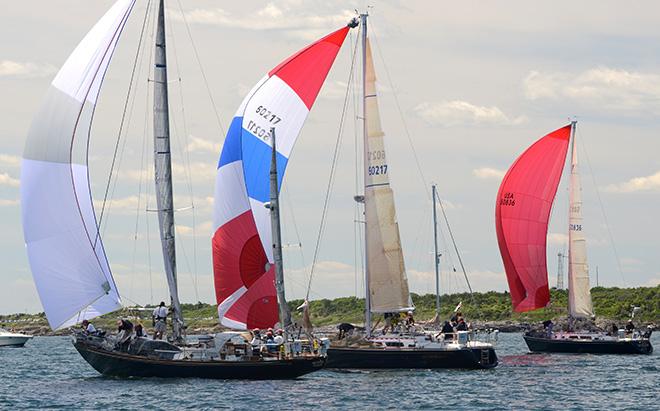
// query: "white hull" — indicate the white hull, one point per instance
point(13, 340)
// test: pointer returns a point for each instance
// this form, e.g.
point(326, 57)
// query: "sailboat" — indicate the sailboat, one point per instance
point(522, 212)
point(387, 290)
point(13, 339)
point(65, 249)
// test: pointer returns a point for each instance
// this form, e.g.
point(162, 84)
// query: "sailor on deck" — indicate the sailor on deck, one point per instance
point(159, 320)
point(88, 328)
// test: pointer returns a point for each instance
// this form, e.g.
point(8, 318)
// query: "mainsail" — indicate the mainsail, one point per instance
point(579, 293)
point(242, 243)
point(388, 284)
point(64, 248)
point(522, 211)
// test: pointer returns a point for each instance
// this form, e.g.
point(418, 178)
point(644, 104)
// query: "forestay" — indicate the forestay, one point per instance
point(242, 243)
point(579, 290)
point(388, 283)
point(65, 251)
point(522, 211)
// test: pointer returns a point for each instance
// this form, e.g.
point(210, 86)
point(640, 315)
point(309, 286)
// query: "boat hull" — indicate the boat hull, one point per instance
point(14, 341)
point(375, 358)
point(119, 364)
point(543, 344)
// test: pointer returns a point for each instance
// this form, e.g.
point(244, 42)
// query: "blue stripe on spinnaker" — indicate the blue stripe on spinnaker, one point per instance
point(256, 167)
point(231, 150)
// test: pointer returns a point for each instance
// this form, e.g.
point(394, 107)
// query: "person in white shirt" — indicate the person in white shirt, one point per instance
point(279, 337)
point(159, 320)
point(88, 328)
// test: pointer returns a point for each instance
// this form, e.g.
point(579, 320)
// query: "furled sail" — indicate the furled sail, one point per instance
point(388, 284)
point(579, 290)
point(64, 248)
point(522, 211)
point(242, 243)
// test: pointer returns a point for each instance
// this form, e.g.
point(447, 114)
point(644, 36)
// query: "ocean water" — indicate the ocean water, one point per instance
point(49, 374)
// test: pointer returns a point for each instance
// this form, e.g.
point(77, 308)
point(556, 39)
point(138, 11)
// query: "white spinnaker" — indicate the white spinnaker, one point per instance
point(388, 283)
point(66, 255)
point(579, 294)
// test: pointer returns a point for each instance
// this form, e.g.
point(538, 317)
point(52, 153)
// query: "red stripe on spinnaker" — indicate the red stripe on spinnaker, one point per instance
point(306, 70)
point(522, 211)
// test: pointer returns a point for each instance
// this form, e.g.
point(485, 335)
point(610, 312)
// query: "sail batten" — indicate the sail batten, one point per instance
point(388, 283)
point(522, 212)
point(243, 261)
point(66, 255)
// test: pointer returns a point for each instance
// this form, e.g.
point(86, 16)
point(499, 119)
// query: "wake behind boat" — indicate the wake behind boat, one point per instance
point(65, 249)
point(12, 339)
point(522, 212)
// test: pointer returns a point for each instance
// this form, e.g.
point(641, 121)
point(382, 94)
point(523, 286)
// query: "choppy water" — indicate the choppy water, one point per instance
point(49, 373)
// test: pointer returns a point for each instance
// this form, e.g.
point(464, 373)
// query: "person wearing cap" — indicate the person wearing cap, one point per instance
point(279, 337)
point(159, 319)
point(410, 320)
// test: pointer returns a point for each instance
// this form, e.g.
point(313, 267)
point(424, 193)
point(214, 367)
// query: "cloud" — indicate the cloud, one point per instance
point(202, 145)
point(286, 16)
point(199, 171)
point(9, 68)
point(488, 173)
point(7, 160)
point(201, 230)
point(457, 112)
point(604, 87)
point(8, 203)
point(647, 183)
point(7, 180)
point(560, 239)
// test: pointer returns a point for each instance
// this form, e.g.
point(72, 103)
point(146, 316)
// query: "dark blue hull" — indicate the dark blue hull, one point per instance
point(375, 358)
point(544, 344)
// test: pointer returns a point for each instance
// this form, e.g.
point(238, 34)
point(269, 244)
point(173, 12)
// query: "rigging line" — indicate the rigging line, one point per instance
point(332, 173)
point(188, 171)
point(398, 106)
point(123, 118)
point(602, 209)
point(458, 254)
point(201, 69)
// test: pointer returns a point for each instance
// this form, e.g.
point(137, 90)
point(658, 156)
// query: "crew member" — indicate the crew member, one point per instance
point(159, 319)
point(88, 328)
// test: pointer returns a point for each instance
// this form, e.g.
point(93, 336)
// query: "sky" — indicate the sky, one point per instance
point(464, 88)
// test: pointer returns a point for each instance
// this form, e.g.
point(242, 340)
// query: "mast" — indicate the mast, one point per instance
point(274, 206)
point(579, 293)
point(436, 256)
point(367, 300)
point(163, 172)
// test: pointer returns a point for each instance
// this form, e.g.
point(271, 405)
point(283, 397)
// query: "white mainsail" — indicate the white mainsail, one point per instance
point(579, 294)
point(388, 283)
point(66, 254)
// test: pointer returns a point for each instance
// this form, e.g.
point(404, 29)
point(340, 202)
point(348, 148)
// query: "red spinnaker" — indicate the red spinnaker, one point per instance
point(522, 211)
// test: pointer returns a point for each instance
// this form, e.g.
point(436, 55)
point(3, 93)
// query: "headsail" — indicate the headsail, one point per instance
point(579, 290)
point(242, 243)
point(388, 284)
point(65, 251)
point(522, 211)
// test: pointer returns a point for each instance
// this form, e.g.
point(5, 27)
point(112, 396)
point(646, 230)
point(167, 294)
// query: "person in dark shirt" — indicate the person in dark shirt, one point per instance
point(462, 326)
point(448, 330)
point(630, 327)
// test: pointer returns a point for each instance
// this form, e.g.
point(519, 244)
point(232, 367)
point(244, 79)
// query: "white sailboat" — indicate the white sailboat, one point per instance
point(386, 282)
point(13, 339)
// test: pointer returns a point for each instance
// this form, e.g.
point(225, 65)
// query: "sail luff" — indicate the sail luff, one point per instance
point(579, 293)
point(386, 272)
point(367, 291)
point(163, 170)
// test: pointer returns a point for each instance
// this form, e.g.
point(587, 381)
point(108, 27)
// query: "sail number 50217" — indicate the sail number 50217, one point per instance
point(377, 170)
point(268, 115)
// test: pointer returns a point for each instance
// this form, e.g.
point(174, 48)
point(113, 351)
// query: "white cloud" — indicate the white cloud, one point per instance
point(8, 203)
point(199, 171)
point(7, 180)
point(488, 173)
point(7, 160)
point(286, 15)
point(202, 145)
point(647, 183)
point(201, 230)
point(559, 239)
point(9, 68)
point(601, 86)
point(457, 112)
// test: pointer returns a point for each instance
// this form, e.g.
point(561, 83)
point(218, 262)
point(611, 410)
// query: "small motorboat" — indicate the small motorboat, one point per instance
point(12, 339)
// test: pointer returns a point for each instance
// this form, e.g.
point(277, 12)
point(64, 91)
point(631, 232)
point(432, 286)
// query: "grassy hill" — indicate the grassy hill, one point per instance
point(609, 303)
